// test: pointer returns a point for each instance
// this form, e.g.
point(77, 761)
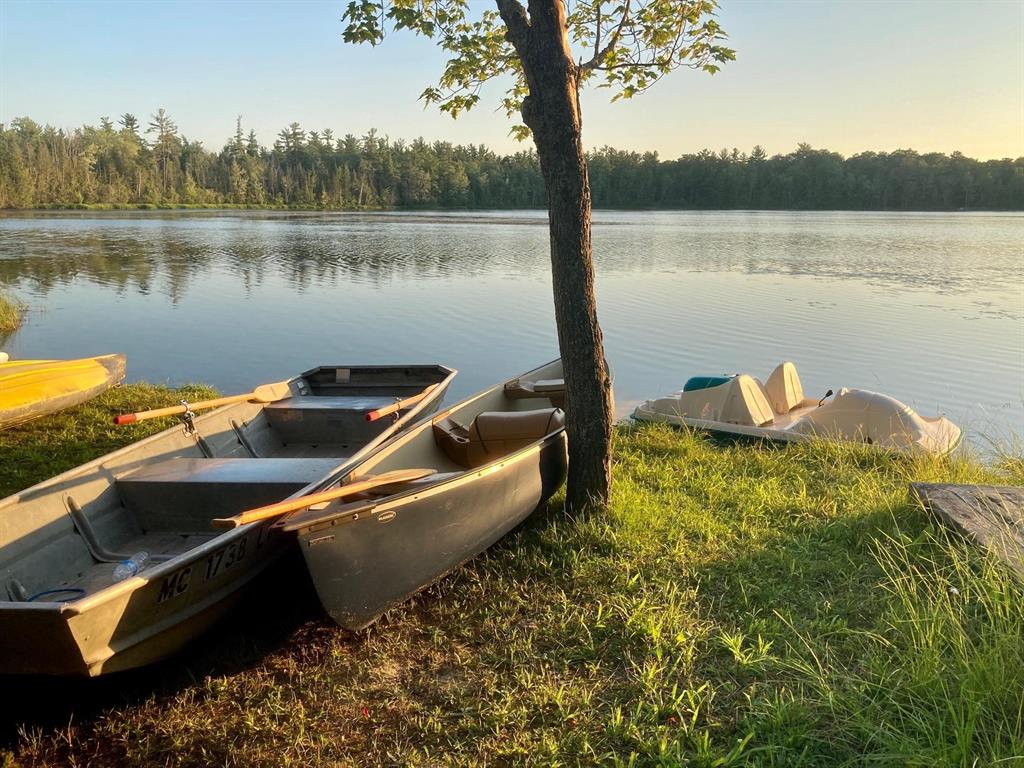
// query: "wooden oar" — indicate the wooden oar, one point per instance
point(292, 505)
point(399, 405)
point(265, 393)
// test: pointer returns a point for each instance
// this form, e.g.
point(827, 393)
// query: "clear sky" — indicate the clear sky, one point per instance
point(847, 76)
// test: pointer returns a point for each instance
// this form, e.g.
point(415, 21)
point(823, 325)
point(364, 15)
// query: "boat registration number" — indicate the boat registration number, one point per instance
point(216, 563)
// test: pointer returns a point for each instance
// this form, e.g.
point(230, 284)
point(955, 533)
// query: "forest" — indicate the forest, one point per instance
point(128, 164)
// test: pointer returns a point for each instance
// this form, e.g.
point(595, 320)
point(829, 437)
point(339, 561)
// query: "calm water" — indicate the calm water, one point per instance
point(926, 307)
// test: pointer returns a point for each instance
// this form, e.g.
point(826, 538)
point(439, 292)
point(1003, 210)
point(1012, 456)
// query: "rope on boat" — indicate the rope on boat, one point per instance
point(76, 591)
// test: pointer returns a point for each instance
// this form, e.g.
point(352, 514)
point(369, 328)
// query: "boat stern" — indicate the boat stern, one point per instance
point(115, 365)
point(37, 639)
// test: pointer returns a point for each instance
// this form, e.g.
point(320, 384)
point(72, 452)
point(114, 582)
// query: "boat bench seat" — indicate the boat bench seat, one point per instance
point(184, 494)
point(493, 434)
point(552, 389)
point(327, 418)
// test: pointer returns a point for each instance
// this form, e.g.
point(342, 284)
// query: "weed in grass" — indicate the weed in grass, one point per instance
point(11, 312)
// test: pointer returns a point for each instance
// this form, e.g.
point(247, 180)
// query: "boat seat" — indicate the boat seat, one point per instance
point(493, 434)
point(783, 388)
point(326, 418)
point(552, 389)
point(345, 403)
point(696, 383)
point(184, 494)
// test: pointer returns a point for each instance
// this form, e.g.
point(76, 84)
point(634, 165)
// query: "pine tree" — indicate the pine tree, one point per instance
point(166, 145)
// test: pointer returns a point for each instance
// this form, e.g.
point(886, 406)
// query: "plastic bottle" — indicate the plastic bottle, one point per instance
point(131, 566)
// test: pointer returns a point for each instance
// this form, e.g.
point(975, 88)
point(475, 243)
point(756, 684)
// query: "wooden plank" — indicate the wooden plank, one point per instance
point(991, 515)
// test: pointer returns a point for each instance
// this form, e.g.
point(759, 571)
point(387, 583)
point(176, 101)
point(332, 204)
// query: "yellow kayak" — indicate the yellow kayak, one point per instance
point(32, 388)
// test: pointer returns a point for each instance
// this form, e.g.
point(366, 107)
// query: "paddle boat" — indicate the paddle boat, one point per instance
point(778, 410)
point(33, 388)
point(116, 564)
point(480, 468)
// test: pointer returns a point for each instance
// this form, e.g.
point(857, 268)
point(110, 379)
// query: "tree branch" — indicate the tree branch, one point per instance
point(599, 56)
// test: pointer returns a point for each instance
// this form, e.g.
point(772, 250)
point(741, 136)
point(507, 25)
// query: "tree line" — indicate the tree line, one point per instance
point(128, 163)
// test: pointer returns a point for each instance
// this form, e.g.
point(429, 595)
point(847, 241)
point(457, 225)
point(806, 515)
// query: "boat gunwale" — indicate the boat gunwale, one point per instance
point(134, 583)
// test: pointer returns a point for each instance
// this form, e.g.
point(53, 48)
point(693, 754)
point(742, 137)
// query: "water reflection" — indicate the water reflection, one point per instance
point(925, 306)
point(136, 251)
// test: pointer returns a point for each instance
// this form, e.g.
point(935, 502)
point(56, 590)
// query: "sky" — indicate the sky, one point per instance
point(846, 76)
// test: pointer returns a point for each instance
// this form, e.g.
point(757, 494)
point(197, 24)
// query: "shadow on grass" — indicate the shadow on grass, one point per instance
point(273, 611)
point(824, 569)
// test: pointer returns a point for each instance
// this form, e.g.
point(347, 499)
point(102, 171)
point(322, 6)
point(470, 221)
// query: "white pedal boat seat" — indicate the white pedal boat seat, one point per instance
point(778, 410)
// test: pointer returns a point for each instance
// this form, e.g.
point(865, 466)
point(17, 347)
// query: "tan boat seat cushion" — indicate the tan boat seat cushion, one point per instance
point(784, 389)
point(493, 434)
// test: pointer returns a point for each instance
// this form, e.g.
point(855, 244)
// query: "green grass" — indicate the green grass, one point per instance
point(11, 311)
point(736, 605)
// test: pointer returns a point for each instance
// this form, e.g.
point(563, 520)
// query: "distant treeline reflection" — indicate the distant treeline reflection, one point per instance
point(124, 164)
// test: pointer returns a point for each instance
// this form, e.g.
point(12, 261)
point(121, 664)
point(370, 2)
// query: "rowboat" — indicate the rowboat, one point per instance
point(61, 610)
point(777, 410)
point(497, 456)
point(33, 388)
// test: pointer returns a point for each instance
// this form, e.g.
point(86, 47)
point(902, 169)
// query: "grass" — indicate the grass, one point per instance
point(736, 605)
point(11, 311)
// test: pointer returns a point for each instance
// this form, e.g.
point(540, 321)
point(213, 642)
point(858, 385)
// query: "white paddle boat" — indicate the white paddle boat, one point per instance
point(740, 404)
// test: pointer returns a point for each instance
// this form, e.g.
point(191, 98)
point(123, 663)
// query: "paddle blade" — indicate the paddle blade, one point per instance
point(271, 393)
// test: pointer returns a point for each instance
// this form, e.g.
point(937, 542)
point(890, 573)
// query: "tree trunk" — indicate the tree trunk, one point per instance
point(552, 112)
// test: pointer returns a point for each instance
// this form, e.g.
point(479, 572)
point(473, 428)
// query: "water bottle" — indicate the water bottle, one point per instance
point(131, 566)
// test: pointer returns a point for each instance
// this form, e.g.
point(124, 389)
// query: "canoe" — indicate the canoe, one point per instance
point(740, 405)
point(62, 613)
point(498, 456)
point(33, 388)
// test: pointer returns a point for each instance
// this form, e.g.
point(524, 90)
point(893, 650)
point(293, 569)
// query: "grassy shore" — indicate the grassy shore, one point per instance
point(736, 605)
point(11, 311)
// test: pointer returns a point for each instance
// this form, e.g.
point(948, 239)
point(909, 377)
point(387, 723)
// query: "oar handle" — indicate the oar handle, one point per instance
point(398, 405)
point(292, 505)
point(174, 410)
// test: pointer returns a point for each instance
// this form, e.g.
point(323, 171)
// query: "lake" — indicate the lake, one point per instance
point(926, 307)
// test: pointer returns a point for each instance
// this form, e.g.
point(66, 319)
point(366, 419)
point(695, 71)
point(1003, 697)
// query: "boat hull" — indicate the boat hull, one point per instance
point(363, 566)
point(33, 388)
point(370, 555)
point(152, 619)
